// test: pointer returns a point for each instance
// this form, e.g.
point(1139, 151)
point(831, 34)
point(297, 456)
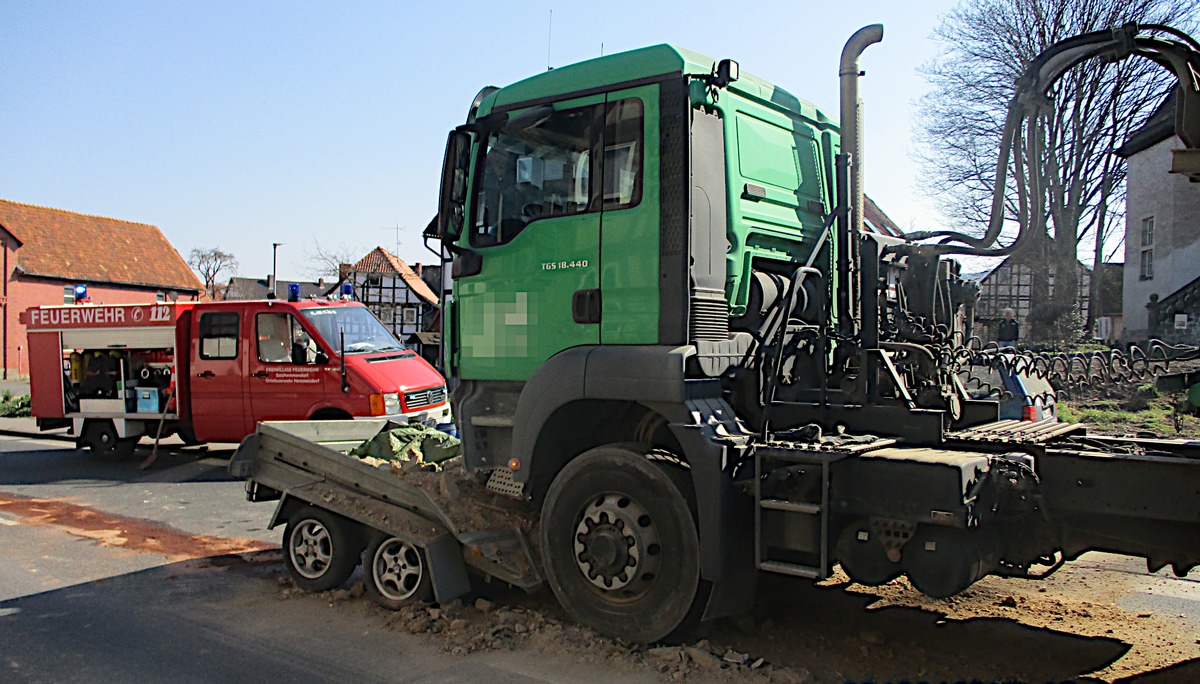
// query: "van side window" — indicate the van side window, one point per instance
point(281, 339)
point(219, 335)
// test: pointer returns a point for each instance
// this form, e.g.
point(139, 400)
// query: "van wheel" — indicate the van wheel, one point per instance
point(319, 549)
point(100, 437)
point(620, 546)
point(396, 572)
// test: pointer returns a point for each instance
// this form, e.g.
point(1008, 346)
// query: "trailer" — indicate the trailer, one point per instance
point(336, 507)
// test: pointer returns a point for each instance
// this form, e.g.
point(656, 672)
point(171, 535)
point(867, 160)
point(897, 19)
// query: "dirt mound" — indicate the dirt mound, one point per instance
point(468, 504)
point(535, 623)
point(1062, 628)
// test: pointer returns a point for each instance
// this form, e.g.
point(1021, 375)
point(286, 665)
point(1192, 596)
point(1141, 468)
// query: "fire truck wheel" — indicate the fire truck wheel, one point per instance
point(395, 572)
point(620, 546)
point(100, 437)
point(319, 549)
point(188, 436)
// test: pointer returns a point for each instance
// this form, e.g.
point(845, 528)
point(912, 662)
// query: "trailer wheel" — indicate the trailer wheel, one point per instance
point(396, 572)
point(100, 437)
point(319, 549)
point(620, 546)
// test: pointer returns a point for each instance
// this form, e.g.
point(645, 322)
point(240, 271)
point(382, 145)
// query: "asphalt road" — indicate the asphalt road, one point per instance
point(99, 583)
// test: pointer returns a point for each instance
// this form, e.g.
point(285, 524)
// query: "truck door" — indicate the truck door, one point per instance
point(629, 232)
point(534, 236)
point(217, 396)
point(285, 381)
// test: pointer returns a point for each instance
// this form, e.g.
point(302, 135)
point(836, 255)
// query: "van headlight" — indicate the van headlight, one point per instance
point(391, 403)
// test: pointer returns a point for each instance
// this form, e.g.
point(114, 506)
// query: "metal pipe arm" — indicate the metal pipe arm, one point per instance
point(1179, 54)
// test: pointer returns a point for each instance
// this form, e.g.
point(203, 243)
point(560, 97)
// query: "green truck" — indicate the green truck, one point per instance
point(672, 343)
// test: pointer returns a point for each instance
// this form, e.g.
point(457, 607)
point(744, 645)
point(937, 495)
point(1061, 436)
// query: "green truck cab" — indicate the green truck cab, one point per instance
point(614, 225)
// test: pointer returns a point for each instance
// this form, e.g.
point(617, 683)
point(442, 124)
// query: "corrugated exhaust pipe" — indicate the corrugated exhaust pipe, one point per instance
point(849, 72)
point(851, 137)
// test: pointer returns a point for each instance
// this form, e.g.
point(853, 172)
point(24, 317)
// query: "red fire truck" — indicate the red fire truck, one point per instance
point(210, 371)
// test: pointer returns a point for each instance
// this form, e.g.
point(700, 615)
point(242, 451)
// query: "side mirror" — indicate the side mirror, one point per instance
point(726, 72)
point(321, 358)
point(455, 171)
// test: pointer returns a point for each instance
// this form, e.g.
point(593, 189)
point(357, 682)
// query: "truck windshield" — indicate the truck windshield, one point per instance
point(364, 332)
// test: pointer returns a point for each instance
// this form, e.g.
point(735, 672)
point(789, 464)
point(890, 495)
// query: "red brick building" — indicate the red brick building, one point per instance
point(46, 252)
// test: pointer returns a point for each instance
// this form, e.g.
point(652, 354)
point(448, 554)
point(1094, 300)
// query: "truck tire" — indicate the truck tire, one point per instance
point(396, 572)
point(319, 548)
point(620, 546)
point(863, 556)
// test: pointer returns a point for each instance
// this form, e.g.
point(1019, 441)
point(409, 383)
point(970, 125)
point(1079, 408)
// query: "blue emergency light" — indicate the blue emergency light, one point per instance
point(293, 292)
point(347, 290)
point(80, 293)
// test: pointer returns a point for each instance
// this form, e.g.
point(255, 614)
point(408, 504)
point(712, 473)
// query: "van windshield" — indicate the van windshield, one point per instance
point(364, 332)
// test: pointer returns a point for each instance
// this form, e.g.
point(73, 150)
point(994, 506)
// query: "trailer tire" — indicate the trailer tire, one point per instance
point(319, 548)
point(396, 572)
point(620, 546)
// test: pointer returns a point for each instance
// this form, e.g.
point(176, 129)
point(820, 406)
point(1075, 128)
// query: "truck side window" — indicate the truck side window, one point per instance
point(539, 171)
point(545, 169)
point(623, 140)
point(219, 335)
point(281, 339)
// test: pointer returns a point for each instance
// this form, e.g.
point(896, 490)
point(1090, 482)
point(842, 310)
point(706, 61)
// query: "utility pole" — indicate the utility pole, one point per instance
point(274, 270)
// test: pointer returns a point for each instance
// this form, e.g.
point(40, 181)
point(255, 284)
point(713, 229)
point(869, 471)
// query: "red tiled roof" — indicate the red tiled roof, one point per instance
point(78, 247)
point(878, 222)
point(382, 261)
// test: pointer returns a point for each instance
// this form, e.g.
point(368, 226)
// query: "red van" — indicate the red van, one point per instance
point(211, 371)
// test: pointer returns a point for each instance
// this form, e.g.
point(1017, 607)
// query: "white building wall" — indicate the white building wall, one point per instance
point(391, 300)
point(1174, 202)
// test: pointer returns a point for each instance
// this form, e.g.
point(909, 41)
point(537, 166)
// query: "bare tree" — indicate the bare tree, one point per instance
point(1074, 188)
point(209, 263)
point(325, 261)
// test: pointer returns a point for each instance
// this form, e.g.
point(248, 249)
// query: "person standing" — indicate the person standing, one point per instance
point(1009, 331)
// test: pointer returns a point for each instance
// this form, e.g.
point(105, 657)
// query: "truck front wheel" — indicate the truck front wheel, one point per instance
point(620, 546)
point(319, 549)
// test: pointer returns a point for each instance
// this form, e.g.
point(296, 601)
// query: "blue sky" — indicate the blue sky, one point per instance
point(239, 124)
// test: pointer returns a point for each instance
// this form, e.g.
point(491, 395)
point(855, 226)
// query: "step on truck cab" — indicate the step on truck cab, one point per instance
point(211, 371)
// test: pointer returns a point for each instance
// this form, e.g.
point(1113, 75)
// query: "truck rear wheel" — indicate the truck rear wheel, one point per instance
point(396, 572)
point(319, 549)
point(620, 546)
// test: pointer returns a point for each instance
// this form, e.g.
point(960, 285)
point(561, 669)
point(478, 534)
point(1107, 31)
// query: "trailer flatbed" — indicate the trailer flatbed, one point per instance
point(305, 464)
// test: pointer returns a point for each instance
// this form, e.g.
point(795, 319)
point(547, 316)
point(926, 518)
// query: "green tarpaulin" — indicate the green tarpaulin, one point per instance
point(411, 442)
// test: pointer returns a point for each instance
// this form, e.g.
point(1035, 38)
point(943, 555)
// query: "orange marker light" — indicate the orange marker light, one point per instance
point(514, 464)
point(377, 408)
